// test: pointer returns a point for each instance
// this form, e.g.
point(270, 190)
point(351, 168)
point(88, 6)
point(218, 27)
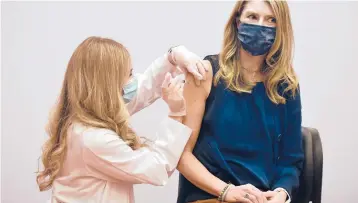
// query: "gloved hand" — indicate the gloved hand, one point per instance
point(172, 94)
point(189, 62)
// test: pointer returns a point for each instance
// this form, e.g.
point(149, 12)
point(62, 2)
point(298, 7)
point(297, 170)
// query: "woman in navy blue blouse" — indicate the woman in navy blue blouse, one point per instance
point(246, 118)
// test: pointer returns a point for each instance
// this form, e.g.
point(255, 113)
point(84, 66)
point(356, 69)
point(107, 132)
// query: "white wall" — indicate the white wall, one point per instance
point(38, 39)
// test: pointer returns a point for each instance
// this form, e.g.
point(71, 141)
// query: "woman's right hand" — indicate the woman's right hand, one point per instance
point(189, 62)
point(172, 94)
point(245, 194)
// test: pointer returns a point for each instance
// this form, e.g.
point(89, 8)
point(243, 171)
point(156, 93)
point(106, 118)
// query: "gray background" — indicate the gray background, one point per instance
point(39, 38)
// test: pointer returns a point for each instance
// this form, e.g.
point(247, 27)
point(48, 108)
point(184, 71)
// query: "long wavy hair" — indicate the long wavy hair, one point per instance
point(92, 95)
point(278, 63)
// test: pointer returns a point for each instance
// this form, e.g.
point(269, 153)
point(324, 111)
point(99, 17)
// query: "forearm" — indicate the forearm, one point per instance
point(151, 164)
point(291, 159)
point(190, 167)
point(288, 180)
point(149, 84)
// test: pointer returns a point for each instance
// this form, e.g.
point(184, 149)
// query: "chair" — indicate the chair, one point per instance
point(310, 188)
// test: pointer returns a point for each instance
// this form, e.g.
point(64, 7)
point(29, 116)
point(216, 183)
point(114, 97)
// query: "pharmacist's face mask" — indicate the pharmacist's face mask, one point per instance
point(130, 89)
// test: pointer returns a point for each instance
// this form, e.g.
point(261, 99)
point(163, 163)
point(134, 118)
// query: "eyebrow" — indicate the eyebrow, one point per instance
point(249, 12)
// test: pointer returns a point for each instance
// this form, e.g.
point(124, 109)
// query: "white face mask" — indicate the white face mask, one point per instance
point(130, 89)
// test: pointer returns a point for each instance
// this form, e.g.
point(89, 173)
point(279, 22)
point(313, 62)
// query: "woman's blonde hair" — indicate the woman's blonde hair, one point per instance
point(278, 62)
point(92, 95)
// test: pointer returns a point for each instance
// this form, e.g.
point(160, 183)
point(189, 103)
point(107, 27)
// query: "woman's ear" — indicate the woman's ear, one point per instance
point(237, 21)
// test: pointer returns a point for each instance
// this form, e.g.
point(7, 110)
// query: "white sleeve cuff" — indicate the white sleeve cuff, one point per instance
point(288, 196)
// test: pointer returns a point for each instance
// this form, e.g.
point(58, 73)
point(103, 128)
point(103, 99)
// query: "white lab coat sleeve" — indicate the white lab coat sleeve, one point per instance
point(149, 84)
point(108, 157)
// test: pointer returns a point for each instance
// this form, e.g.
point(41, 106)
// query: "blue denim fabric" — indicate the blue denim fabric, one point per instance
point(256, 39)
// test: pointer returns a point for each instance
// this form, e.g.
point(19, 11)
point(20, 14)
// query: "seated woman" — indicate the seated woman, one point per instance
point(92, 154)
point(246, 118)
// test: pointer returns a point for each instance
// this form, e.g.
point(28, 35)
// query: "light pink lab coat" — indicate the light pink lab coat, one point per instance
point(101, 168)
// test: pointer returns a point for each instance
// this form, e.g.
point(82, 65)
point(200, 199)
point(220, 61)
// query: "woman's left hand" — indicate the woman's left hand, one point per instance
point(275, 197)
point(189, 62)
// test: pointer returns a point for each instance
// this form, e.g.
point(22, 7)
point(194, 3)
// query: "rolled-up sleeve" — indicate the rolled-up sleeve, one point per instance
point(108, 157)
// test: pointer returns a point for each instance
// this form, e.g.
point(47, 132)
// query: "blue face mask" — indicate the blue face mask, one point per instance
point(256, 39)
point(130, 89)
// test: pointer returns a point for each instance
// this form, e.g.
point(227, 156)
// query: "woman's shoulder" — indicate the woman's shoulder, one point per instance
point(93, 136)
point(96, 141)
point(199, 89)
point(288, 91)
point(212, 57)
point(292, 96)
point(214, 61)
point(81, 128)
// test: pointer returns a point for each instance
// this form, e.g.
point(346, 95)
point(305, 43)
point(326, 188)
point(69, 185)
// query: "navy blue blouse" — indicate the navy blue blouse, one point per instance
point(246, 138)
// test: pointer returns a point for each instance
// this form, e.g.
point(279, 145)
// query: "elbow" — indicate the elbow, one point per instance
point(299, 160)
point(160, 180)
point(160, 175)
point(156, 174)
point(183, 161)
point(160, 183)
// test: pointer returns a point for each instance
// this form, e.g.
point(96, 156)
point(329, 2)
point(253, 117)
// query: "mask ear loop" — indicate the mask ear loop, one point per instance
point(237, 20)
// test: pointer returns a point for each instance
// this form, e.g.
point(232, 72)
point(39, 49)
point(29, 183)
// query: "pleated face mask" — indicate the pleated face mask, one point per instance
point(130, 89)
point(256, 39)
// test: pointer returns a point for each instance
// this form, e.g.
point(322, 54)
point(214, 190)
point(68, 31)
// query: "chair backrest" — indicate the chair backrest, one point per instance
point(318, 163)
point(311, 176)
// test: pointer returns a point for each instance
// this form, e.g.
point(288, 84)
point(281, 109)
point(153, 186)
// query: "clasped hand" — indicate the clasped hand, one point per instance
point(250, 194)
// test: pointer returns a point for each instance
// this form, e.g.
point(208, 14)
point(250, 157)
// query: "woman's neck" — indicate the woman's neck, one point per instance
point(251, 66)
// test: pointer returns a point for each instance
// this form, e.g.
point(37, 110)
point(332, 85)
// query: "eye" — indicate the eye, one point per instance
point(252, 17)
point(272, 20)
point(131, 73)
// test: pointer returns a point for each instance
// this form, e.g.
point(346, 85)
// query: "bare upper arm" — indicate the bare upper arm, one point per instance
point(195, 96)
